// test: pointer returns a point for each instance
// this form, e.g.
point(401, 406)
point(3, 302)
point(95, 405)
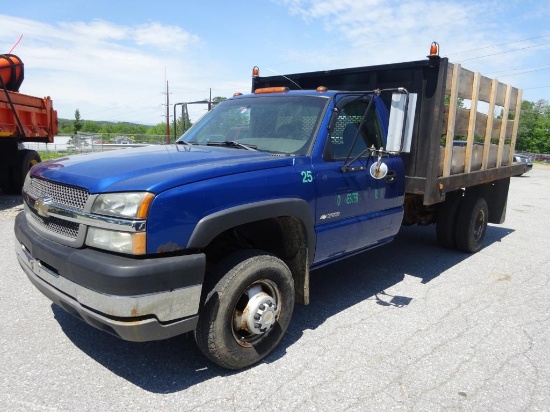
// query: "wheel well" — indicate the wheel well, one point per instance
point(284, 237)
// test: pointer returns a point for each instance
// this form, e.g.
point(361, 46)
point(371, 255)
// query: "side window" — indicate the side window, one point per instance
point(349, 124)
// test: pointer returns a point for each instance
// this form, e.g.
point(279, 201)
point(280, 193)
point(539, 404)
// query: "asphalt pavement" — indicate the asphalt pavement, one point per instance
point(408, 326)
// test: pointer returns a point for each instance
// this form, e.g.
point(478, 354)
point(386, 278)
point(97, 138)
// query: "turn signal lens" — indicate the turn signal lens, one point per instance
point(271, 90)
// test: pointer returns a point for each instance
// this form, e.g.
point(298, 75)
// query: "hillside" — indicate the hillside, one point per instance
point(66, 127)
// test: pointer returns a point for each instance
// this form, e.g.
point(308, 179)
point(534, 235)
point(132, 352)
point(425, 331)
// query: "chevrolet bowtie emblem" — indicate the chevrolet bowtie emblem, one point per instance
point(42, 206)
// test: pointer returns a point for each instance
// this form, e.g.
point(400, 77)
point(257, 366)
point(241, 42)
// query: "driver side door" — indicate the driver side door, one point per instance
point(355, 211)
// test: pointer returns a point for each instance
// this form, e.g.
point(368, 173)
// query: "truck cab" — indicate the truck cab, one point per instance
point(331, 138)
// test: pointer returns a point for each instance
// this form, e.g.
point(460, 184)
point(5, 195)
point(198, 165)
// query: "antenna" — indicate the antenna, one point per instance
point(16, 43)
point(288, 78)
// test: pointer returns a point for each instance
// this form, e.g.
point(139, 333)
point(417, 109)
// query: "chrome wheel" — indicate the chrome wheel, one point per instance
point(256, 312)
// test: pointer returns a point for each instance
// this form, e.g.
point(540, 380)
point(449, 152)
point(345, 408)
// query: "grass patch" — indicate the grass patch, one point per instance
point(48, 155)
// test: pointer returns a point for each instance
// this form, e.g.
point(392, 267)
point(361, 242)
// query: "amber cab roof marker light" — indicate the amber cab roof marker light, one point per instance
point(255, 71)
point(281, 89)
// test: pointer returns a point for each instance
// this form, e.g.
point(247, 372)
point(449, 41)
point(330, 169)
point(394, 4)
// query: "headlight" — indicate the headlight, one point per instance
point(121, 242)
point(125, 205)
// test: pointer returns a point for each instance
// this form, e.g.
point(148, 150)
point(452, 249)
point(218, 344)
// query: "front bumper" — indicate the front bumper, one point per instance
point(134, 299)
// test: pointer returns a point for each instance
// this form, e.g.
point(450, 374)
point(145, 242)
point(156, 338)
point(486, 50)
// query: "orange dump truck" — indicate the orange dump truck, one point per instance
point(23, 118)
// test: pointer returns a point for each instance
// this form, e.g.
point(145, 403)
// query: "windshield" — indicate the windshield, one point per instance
point(274, 124)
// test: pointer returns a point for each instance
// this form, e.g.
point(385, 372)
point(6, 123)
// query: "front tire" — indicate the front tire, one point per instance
point(246, 314)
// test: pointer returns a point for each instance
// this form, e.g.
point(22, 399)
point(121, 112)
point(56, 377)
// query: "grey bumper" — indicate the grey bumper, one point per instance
point(134, 317)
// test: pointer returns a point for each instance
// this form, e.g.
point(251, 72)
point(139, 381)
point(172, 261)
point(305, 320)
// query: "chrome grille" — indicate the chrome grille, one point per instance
point(63, 196)
point(59, 226)
point(68, 196)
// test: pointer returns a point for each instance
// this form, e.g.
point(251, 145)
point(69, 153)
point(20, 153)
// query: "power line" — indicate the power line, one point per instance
point(539, 87)
point(497, 45)
point(504, 52)
point(518, 68)
point(528, 71)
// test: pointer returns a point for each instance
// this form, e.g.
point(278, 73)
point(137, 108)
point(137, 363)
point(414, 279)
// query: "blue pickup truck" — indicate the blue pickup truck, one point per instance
point(217, 233)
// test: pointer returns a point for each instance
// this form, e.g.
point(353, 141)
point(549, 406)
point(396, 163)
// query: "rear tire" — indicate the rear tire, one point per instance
point(11, 181)
point(471, 224)
point(246, 314)
point(445, 227)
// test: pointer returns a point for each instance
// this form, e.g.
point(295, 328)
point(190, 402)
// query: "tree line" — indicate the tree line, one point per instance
point(534, 127)
point(70, 127)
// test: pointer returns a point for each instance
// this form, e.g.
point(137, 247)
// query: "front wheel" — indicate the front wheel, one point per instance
point(246, 314)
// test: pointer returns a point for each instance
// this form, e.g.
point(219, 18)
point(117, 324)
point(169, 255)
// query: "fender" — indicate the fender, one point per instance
point(212, 225)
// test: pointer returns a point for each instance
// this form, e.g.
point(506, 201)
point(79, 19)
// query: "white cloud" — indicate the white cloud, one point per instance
point(107, 71)
point(97, 30)
point(163, 36)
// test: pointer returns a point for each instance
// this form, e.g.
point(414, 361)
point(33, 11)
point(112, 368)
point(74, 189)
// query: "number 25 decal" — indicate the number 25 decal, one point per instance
point(307, 177)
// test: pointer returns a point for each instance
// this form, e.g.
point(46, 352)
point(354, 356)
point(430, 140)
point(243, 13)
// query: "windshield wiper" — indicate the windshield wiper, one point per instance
point(232, 143)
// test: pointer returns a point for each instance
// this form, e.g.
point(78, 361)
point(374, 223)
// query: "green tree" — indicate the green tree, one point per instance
point(77, 124)
point(90, 127)
point(76, 141)
point(158, 129)
point(459, 101)
point(534, 127)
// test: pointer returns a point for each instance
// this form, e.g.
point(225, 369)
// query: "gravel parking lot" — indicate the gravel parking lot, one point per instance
point(408, 326)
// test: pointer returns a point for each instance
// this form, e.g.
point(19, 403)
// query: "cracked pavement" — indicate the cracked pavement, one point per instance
point(408, 326)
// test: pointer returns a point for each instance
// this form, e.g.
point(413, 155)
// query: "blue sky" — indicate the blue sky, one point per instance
point(111, 59)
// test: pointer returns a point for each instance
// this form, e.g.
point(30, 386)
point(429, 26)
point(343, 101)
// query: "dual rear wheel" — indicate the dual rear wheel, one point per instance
point(462, 223)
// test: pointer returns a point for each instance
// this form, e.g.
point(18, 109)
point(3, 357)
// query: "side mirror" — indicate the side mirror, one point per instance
point(378, 170)
point(403, 108)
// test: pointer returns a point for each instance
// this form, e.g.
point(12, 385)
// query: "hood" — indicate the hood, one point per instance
point(153, 168)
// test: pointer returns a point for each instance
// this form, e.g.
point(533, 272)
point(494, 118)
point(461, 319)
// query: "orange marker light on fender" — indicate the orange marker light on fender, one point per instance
point(143, 208)
point(321, 89)
point(255, 71)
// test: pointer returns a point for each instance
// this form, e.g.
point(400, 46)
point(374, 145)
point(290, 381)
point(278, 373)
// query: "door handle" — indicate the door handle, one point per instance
point(390, 176)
